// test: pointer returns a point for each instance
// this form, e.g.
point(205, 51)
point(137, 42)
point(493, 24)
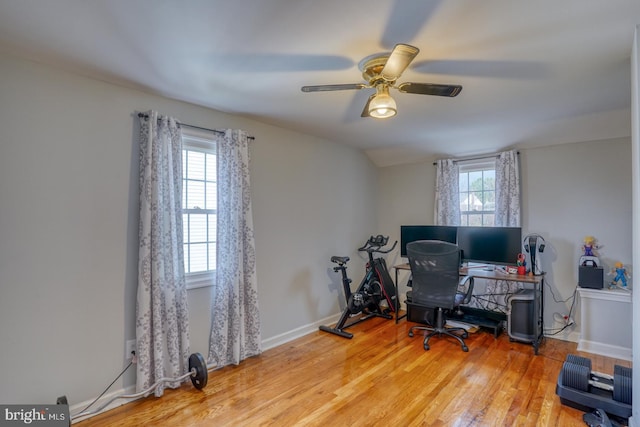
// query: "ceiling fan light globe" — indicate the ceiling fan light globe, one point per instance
point(382, 106)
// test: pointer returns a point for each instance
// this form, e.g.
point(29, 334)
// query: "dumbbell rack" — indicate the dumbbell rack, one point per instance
point(580, 387)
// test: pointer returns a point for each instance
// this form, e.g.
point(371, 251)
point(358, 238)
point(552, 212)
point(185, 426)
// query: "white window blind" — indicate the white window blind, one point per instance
point(199, 207)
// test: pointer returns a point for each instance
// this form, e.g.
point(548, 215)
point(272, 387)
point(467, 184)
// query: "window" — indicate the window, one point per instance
point(477, 187)
point(199, 207)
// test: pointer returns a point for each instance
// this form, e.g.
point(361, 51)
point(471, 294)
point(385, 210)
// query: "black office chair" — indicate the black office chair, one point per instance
point(435, 271)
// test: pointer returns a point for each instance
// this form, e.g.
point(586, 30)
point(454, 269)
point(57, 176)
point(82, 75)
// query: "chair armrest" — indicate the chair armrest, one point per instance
point(466, 281)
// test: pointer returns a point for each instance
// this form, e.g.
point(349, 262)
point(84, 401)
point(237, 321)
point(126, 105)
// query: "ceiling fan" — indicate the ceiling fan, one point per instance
point(381, 71)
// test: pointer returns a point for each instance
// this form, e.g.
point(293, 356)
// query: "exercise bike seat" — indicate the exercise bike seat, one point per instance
point(342, 260)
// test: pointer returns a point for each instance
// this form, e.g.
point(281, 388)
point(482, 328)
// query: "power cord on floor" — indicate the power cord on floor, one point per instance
point(131, 362)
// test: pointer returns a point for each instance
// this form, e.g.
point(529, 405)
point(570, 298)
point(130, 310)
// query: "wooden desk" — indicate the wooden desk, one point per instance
point(484, 273)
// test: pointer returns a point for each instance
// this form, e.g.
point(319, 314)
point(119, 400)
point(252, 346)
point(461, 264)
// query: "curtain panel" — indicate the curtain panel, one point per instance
point(235, 318)
point(162, 322)
point(507, 190)
point(447, 200)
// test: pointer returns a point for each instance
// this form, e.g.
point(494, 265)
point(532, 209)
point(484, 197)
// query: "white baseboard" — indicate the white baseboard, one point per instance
point(298, 332)
point(608, 350)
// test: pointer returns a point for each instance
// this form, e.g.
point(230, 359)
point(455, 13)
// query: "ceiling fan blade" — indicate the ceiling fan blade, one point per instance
point(365, 110)
point(430, 89)
point(398, 61)
point(325, 88)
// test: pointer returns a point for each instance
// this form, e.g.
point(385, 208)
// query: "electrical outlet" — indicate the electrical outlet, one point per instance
point(130, 347)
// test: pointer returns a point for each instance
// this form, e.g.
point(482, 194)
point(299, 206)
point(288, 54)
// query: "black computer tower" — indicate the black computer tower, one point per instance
point(523, 316)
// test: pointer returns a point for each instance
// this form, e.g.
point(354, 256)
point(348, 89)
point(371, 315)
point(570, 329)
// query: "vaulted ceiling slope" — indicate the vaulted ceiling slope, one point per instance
point(532, 72)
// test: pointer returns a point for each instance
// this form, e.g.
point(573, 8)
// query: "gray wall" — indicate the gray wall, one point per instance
point(68, 228)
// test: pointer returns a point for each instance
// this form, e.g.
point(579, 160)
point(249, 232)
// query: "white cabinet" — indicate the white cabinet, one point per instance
point(606, 322)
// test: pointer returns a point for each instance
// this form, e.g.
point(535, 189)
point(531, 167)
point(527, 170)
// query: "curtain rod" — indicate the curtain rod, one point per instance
point(219, 132)
point(475, 158)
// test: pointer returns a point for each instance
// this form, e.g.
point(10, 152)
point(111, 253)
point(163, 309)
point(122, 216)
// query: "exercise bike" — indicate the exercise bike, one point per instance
point(376, 285)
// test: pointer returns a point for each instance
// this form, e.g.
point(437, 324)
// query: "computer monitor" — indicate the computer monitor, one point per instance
point(411, 233)
point(491, 245)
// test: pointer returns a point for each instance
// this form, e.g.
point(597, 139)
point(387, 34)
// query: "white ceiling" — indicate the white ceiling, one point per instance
point(533, 72)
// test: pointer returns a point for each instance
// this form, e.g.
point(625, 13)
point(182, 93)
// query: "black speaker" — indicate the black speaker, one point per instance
point(523, 316)
point(591, 277)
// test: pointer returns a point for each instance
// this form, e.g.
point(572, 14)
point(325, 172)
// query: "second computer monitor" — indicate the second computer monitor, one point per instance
point(492, 245)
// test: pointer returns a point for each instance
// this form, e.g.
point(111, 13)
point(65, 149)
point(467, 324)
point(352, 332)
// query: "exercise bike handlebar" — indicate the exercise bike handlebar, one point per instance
point(375, 243)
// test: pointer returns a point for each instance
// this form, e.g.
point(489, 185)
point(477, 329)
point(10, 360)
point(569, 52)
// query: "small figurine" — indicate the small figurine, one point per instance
point(522, 265)
point(620, 275)
point(590, 246)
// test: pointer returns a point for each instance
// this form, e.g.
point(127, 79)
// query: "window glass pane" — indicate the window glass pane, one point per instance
point(475, 201)
point(195, 165)
point(464, 219)
point(463, 182)
point(489, 200)
point(211, 167)
point(464, 202)
point(475, 220)
point(212, 194)
point(198, 257)
point(475, 180)
point(490, 180)
point(489, 220)
point(197, 228)
point(195, 195)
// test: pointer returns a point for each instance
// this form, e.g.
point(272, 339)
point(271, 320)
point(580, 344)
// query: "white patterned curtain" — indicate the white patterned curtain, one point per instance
point(235, 323)
point(447, 202)
point(162, 324)
point(507, 190)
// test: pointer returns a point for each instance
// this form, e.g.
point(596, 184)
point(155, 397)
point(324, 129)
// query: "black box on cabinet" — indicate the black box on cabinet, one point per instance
point(523, 316)
point(590, 277)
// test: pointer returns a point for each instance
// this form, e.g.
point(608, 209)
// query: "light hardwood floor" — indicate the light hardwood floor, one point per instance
point(380, 377)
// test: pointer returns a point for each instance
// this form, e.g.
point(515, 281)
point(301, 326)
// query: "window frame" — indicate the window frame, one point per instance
point(467, 167)
point(198, 140)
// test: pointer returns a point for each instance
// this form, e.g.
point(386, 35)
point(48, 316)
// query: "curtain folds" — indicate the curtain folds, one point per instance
point(162, 323)
point(507, 190)
point(235, 318)
point(447, 200)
